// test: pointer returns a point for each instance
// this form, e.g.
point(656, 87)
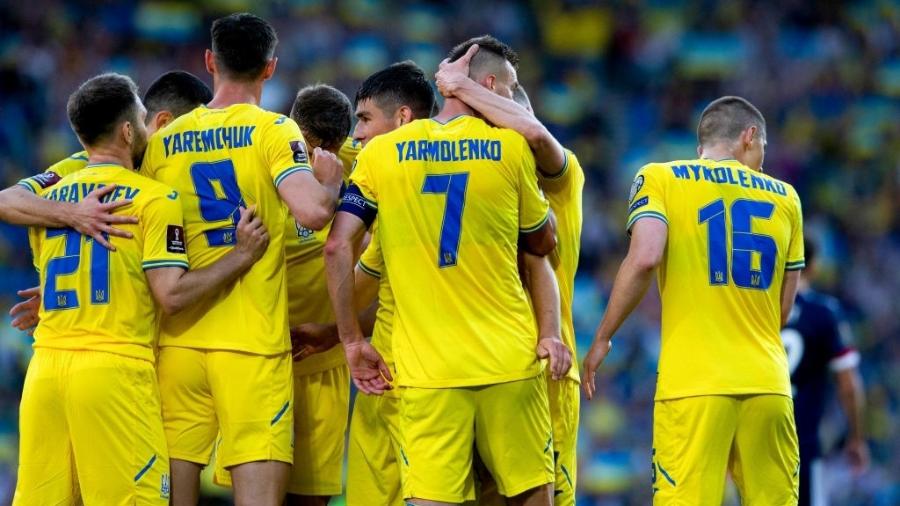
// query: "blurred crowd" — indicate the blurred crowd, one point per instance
point(621, 85)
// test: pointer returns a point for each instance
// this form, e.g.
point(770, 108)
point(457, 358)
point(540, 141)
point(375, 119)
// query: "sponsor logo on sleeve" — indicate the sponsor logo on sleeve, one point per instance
point(641, 202)
point(636, 187)
point(175, 239)
point(46, 179)
point(299, 150)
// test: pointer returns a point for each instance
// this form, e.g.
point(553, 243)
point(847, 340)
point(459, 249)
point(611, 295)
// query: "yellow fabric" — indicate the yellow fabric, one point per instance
point(721, 302)
point(59, 169)
point(321, 409)
point(452, 199)
point(308, 300)
point(564, 193)
point(96, 299)
point(254, 414)
point(233, 156)
point(508, 424)
point(697, 439)
point(90, 426)
point(373, 453)
point(565, 400)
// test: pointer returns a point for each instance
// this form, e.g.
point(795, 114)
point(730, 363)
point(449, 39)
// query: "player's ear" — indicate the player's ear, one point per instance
point(210, 60)
point(489, 81)
point(270, 68)
point(699, 151)
point(161, 119)
point(127, 130)
point(747, 137)
point(404, 114)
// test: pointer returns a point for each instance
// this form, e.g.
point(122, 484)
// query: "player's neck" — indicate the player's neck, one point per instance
point(452, 108)
point(719, 153)
point(233, 92)
point(114, 155)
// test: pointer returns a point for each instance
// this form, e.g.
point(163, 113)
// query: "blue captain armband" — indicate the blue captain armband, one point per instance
point(358, 205)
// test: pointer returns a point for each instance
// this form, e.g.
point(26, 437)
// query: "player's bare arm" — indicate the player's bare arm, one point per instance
point(312, 198)
point(852, 398)
point(789, 293)
point(25, 314)
point(453, 80)
point(175, 289)
point(541, 241)
point(542, 285)
point(310, 338)
point(367, 368)
point(90, 216)
point(645, 253)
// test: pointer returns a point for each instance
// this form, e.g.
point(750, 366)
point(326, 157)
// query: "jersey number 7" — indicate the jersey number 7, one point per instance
point(744, 243)
point(454, 185)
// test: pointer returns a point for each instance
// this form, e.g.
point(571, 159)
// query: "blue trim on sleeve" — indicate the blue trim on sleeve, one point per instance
point(291, 170)
point(357, 204)
point(156, 264)
point(536, 227)
point(795, 266)
point(27, 186)
point(646, 214)
point(562, 172)
point(368, 270)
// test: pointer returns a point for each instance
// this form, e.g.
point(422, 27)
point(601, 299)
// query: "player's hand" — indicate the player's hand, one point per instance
point(25, 313)
point(252, 236)
point(327, 168)
point(450, 76)
point(310, 338)
point(559, 355)
point(369, 372)
point(93, 218)
point(592, 361)
point(858, 455)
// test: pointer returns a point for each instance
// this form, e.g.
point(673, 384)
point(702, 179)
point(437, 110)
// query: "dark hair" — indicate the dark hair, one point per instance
point(726, 117)
point(399, 84)
point(100, 104)
point(489, 58)
point(178, 92)
point(243, 44)
point(323, 112)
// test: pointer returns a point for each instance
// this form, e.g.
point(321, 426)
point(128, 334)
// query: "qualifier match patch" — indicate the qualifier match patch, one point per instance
point(46, 179)
point(636, 187)
point(175, 239)
point(299, 150)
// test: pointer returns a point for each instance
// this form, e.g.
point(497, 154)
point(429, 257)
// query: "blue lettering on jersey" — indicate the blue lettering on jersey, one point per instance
point(76, 191)
point(726, 175)
point(200, 141)
point(449, 151)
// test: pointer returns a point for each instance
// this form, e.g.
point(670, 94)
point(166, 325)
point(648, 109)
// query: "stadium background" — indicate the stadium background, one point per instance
point(621, 85)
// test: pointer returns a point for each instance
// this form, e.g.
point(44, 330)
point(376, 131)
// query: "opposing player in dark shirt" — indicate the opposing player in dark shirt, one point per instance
point(817, 339)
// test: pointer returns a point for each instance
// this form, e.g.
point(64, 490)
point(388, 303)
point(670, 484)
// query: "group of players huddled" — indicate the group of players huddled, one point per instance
point(214, 275)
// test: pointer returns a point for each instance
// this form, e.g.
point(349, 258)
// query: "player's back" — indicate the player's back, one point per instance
point(452, 199)
point(732, 233)
point(220, 160)
point(96, 299)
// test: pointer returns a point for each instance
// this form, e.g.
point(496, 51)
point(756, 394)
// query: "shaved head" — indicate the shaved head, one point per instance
point(492, 57)
point(725, 118)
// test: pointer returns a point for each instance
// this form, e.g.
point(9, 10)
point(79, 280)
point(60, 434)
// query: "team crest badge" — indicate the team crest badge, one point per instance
point(299, 150)
point(635, 187)
point(164, 486)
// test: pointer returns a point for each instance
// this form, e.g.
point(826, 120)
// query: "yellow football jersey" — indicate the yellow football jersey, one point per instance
point(372, 262)
point(564, 193)
point(307, 288)
point(55, 172)
point(96, 299)
point(220, 160)
point(732, 234)
point(451, 200)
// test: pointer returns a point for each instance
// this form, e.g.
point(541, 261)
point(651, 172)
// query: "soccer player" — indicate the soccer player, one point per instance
point(562, 180)
point(92, 376)
point(452, 195)
point(321, 378)
point(817, 339)
point(168, 97)
point(220, 157)
point(728, 242)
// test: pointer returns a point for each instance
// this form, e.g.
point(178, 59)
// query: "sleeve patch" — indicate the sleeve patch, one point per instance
point(46, 179)
point(356, 204)
point(636, 187)
point(175, 239)
point(299, 150)
point(639, 203)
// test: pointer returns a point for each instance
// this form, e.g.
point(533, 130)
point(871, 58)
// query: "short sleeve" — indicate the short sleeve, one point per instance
point(534, 210)
point(568, 182)
point(838, 339)
point(163, 229)
point(647, 196)
point(372, 261)
point(152, 157)
point(360, 199)
point(54, 173)
point(795, 255)
point(284, 149)
point(347, 155)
